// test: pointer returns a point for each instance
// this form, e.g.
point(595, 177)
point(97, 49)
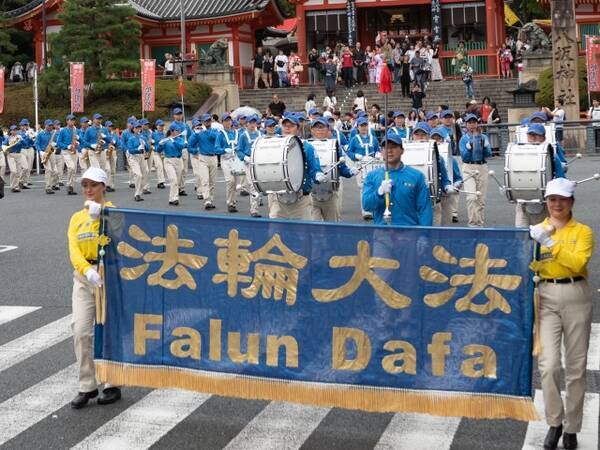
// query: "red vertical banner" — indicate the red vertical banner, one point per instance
point(592, 56)
point(148, 84)
point(1, 91)
point(77, 87)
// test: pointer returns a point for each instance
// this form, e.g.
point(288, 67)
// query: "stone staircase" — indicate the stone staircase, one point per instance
point(449, 92)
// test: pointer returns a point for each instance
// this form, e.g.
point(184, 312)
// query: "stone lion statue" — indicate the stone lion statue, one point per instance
point(536, 37)
point(215, 56)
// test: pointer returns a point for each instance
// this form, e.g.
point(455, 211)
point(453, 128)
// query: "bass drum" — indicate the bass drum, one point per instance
point(277, 164)
point(527, 170)
point(445, 154)
point(424, 157)
point(327, 151)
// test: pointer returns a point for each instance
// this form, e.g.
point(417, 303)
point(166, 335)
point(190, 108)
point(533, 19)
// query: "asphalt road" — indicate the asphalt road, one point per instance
point(37, 379)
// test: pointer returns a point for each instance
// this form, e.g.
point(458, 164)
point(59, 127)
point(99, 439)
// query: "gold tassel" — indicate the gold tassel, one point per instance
point(365, 398)
point(537, 340)
point(100, 295)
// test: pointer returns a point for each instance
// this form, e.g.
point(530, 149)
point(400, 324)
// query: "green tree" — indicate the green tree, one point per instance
point(545, 96)
point(10, 38)
point(103, 35)
point(528, 10)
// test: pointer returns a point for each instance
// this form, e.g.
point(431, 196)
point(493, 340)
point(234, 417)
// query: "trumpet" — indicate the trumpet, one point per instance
point(111, 150)
point(99, 143)
point(148, 154)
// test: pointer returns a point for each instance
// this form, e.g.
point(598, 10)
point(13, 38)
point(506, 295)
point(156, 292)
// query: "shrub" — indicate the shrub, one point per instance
point(545, 96)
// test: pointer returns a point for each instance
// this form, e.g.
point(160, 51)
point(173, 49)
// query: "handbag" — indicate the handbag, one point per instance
point(298, 68)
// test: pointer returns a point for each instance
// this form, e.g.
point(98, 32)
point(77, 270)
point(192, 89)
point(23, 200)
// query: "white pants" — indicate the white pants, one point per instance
point(478, 181)
point(111, 168)
point(173, 169)
point(300, 210)
point(525, 216)
point(50, 171)
point(139, 169)
point(157, 161)
point(98, 159)
point(231, 181)
point(249, 187)
point(71, 164)
point(17, 165)
point(185, 157)
point(83, 160)
point(326, 211)
point(198, 171)
point(29, 157)
point(208, 166)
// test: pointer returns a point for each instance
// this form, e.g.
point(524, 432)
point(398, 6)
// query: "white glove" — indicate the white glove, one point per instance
point(229, 151)
point(54, 145)
point(502, 190)
point(93, 146)
point(378, 155)
point(358, 156)
point(469, 146)
point(94, 209)
point(542, 234)
point(450, 189)
point(354, 171)
point(152, 141)
point(564, 166)
point(458, 185)
point(247, 159)
point(93, 277)
point(385, 187)
point(320, 177)
point(69, 147)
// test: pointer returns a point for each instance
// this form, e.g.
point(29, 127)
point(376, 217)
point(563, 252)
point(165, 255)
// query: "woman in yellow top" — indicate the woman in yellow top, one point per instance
point(565, 310)
point(83, 238)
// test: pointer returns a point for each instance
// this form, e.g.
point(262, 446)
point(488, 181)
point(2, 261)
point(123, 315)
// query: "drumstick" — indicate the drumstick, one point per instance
point(340, 161)
point(596, 176)
point(477, 193)
point(577, 156)
point(470, 176)
point(493, 175)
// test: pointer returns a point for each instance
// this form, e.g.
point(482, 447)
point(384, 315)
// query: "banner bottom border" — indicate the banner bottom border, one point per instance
point(356, 397)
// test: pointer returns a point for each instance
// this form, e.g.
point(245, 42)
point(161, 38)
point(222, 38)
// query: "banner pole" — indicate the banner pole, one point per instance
point(36, 102)
point(588, 41)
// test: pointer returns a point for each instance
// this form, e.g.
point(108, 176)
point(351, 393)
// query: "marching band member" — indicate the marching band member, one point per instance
point(16, 161)
point(113, 143)
point(68, 143)
point(28, 135)
point(336, 134)
point(172, 147)
point(125, 135)
point(186, 132)
point(83, 236)
point(410, 202)
point(193, 148)
point(227, 142)
point(449, 126)
point(356, 130)
point(474, 149)
point(437, 134)
point(82, 149)
point(399, 127)
point(270, 125)
point(363, 147)
point(157, 156)
point(244, 151)
point(432, 119)
point(46, 142)
point(136, 147)
point(95, 139)
point(297, 205)
point(530, 213)
point(205, 141)
point(565, 311)
point(541, 118)
point(325, 200)
point(60, 158)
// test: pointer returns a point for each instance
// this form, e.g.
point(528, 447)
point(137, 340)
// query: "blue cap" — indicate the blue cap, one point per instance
point(174, 127)
point(291, 118)
point(226, 116)
point(235, 123)
point(159, 122)
point(56, 122)
point(253, 118)
point(13, 127)
point(431, 115)
point(362, 121)
point(196, 121)
point(205, 117)
point(439, 131)
point(84, 120)
point(242, 117)
point(24, 122)
point(97, 116)
point(137, 124)
point(536, 128)
point(48, 122)
point(313, 111)
point(177, 111)
point(144, 121)
point(108, 123)
point(538, 115)
point(446, 113)
point(319, 120)
point(524, 121)
point(470, 117)
point(70, 117)
point(270, 122)
point(300, 116)
point(423, 127)
point(398, 114)
point(392, 137)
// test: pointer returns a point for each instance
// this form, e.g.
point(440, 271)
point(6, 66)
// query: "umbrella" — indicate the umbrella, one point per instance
point(245, 111)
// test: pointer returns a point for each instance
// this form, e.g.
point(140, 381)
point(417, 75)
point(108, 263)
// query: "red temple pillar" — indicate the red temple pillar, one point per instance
point(38, 40)
point(239, 72)
point(301, 37)
point(491, 31)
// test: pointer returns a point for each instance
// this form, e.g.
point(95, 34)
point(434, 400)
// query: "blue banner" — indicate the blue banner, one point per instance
point(435, 320)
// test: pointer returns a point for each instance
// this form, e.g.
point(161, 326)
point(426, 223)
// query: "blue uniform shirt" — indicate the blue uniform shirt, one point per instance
point(43, 139)
point(410, 203)
point(480, 148)
point(26, 140)
point(172, 147)
point(17, 148)
point(227, 140)
point(399, 131)
point(91, 136)
point(157, 136)
point(244, 147)
point(362, 145)
point(204, 142)
point(185, 129)
point(135, 142)
point(65, 137)
point(312, 166)
point(125, 135)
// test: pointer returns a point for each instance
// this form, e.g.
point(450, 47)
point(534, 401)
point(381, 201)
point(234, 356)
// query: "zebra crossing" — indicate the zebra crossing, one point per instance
point(164, 418)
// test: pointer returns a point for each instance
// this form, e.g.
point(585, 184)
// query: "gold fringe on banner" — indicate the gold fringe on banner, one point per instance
point(537, 340)
point(365, 398)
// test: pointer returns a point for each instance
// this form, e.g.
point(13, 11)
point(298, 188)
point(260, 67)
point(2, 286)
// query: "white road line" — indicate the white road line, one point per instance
point(7, 248)
point(593, 356)
point(587, 438)
point(145, 422)
point(20, 349)
point(10, 313)
point(410, 431)
point(32, 405)
point(284, 426)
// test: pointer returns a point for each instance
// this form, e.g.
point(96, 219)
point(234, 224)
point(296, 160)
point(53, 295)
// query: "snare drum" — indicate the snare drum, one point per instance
point(423, 156)
point(527, 170)
point(277, 164)
point(367, 166)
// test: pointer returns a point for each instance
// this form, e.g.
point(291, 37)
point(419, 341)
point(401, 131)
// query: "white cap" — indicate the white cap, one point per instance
point(560, 186)
point(327, 114)
point(95, 174)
